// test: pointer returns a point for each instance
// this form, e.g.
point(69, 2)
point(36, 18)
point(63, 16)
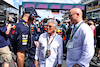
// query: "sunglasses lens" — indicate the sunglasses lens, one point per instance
point(49, 26)
point(69, 15)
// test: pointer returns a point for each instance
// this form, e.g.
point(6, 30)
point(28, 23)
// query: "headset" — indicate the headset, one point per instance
point(31, 18)
point(32, 14)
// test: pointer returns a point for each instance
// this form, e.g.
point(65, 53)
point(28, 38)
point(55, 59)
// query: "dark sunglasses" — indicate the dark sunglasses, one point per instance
point(71, 14)
point(49, 26)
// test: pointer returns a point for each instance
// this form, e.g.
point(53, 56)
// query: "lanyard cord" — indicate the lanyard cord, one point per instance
point(75, 31)
point(48, 44)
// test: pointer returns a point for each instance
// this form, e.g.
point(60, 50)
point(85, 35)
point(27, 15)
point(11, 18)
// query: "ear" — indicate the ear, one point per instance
point(55, 28)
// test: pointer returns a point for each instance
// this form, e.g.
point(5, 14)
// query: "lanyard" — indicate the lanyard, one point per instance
point(48, 44)
point(75, 31)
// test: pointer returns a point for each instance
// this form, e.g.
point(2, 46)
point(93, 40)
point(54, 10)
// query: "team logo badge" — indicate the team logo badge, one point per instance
point(24, 39)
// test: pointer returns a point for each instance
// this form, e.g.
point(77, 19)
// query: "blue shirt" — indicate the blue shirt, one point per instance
point(34, 32)
point(4, 40)
point(83, 47)
point(22, 40)
point(60, 31)
point(42, 28)
point(20, 34)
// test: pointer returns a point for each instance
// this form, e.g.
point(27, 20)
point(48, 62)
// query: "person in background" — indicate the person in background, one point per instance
point(80, 46)
point(61, 32)
point(91, 24)
point(86, 21)
point(98, 43)
point(70, 27)
point(34, 30)
point(50, 50)
point(45, 27)
point(97, 23)
point(42, 27)
point(35, 35)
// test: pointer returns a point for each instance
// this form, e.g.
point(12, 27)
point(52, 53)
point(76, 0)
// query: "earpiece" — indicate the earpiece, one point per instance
point(31, 18)
point(31, 14)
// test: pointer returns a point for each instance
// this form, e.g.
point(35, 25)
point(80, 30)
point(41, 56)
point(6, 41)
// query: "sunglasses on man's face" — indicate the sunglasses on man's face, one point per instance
point(49, 26)
point(71, 14)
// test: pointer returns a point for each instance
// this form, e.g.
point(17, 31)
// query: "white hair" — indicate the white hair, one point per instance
point(54, 22)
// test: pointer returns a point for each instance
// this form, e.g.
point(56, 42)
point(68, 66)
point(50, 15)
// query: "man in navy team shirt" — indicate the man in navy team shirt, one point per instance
point(21, 39)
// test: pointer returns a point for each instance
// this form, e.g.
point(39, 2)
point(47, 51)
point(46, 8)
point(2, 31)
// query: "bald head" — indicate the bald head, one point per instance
point(76, 10)
point(75, 15)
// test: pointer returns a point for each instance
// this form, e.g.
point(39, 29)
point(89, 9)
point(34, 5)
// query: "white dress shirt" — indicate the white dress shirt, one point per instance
point(83, 46)
point(56, 48)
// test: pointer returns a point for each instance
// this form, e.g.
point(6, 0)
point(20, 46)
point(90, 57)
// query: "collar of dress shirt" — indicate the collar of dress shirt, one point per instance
point(48, 36)
point(78, 24)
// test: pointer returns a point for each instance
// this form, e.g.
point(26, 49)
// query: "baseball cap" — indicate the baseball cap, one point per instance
point(32, 11)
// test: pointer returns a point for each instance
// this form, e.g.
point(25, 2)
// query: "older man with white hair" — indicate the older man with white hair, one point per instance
point(50, 50)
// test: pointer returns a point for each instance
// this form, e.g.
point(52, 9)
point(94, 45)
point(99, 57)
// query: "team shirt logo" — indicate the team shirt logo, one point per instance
point(32, 29)
point(24, 39)
point(59, 32)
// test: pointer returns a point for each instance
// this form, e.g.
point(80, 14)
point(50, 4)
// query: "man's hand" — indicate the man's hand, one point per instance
point(36, 43)
point(36, 63)
point(59, 66)
point(76, 65)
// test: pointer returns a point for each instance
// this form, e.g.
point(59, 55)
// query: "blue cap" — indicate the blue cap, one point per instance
point(32, 11)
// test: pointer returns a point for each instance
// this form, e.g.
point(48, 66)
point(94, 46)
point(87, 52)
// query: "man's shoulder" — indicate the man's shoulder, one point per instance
point(42, 37)
point(19, 24)
point(85, 26)
point(43, 34)
point(58, 37)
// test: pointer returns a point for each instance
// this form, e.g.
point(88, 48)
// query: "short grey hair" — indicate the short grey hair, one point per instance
point(54, 22)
